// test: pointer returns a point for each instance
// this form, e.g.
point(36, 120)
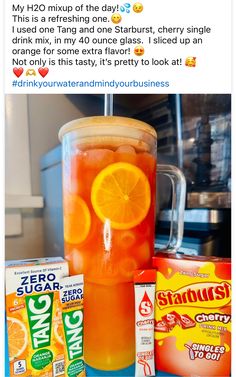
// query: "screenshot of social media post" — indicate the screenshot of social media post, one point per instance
point(118, 46)
point(117, 129)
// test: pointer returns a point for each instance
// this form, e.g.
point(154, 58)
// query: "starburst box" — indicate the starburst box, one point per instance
point(193, 315)
point(34, 324)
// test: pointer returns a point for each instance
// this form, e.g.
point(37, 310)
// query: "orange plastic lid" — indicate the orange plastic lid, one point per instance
point(145, 276)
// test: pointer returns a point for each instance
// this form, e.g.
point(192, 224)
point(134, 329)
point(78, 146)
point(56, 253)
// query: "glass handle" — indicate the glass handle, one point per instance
point(178, 183)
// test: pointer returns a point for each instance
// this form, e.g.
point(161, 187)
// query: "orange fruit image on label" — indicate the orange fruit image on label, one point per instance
point(77, 219)
point(58, 331)
point(17, 337)
point(121, 193)
point(57, 324)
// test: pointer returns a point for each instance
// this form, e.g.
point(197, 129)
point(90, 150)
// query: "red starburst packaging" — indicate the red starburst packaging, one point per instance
point(193, 315)
point(170, 319)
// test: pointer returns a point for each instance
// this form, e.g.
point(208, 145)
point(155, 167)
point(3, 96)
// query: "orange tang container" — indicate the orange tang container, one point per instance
point(109, 189)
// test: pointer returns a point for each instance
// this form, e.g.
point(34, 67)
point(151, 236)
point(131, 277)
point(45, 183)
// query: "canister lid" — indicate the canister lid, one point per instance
point(98, 125)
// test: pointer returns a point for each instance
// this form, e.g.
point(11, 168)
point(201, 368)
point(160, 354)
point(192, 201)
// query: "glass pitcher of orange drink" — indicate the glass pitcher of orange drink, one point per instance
point(109, 202)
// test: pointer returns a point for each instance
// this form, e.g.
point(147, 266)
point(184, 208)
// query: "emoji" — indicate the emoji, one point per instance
point(30, 72)
point(18, 71)
point(125, 8)
point(190, 61)
point(138, 7)
point(116, 18)
point(139, 50)
point(43, 71)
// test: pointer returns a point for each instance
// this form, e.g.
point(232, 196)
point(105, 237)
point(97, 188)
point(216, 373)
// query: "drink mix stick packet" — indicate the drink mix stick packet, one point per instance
point(71, 297)
point(144, 289)
point(33, 313)
point(193, 315)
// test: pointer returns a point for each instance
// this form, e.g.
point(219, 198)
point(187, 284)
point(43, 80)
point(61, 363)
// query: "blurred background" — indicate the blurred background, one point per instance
point(194, 133)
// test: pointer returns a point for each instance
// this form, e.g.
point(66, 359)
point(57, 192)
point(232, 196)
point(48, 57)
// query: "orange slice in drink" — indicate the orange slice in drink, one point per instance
point(17, 337)
point(127, 267)
point(121, 194)
point(77, 219)
point(125, 239)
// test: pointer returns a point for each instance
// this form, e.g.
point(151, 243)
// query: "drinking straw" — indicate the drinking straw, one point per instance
point(108, 104)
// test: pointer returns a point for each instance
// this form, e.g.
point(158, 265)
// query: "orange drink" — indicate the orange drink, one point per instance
point(109, 187)
point(109, 179)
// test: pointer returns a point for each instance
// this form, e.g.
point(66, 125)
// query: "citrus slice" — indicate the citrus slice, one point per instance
point(121, 193)
point(77, 219)
point(125, 238)
point(17, 337)
point(127, 267)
